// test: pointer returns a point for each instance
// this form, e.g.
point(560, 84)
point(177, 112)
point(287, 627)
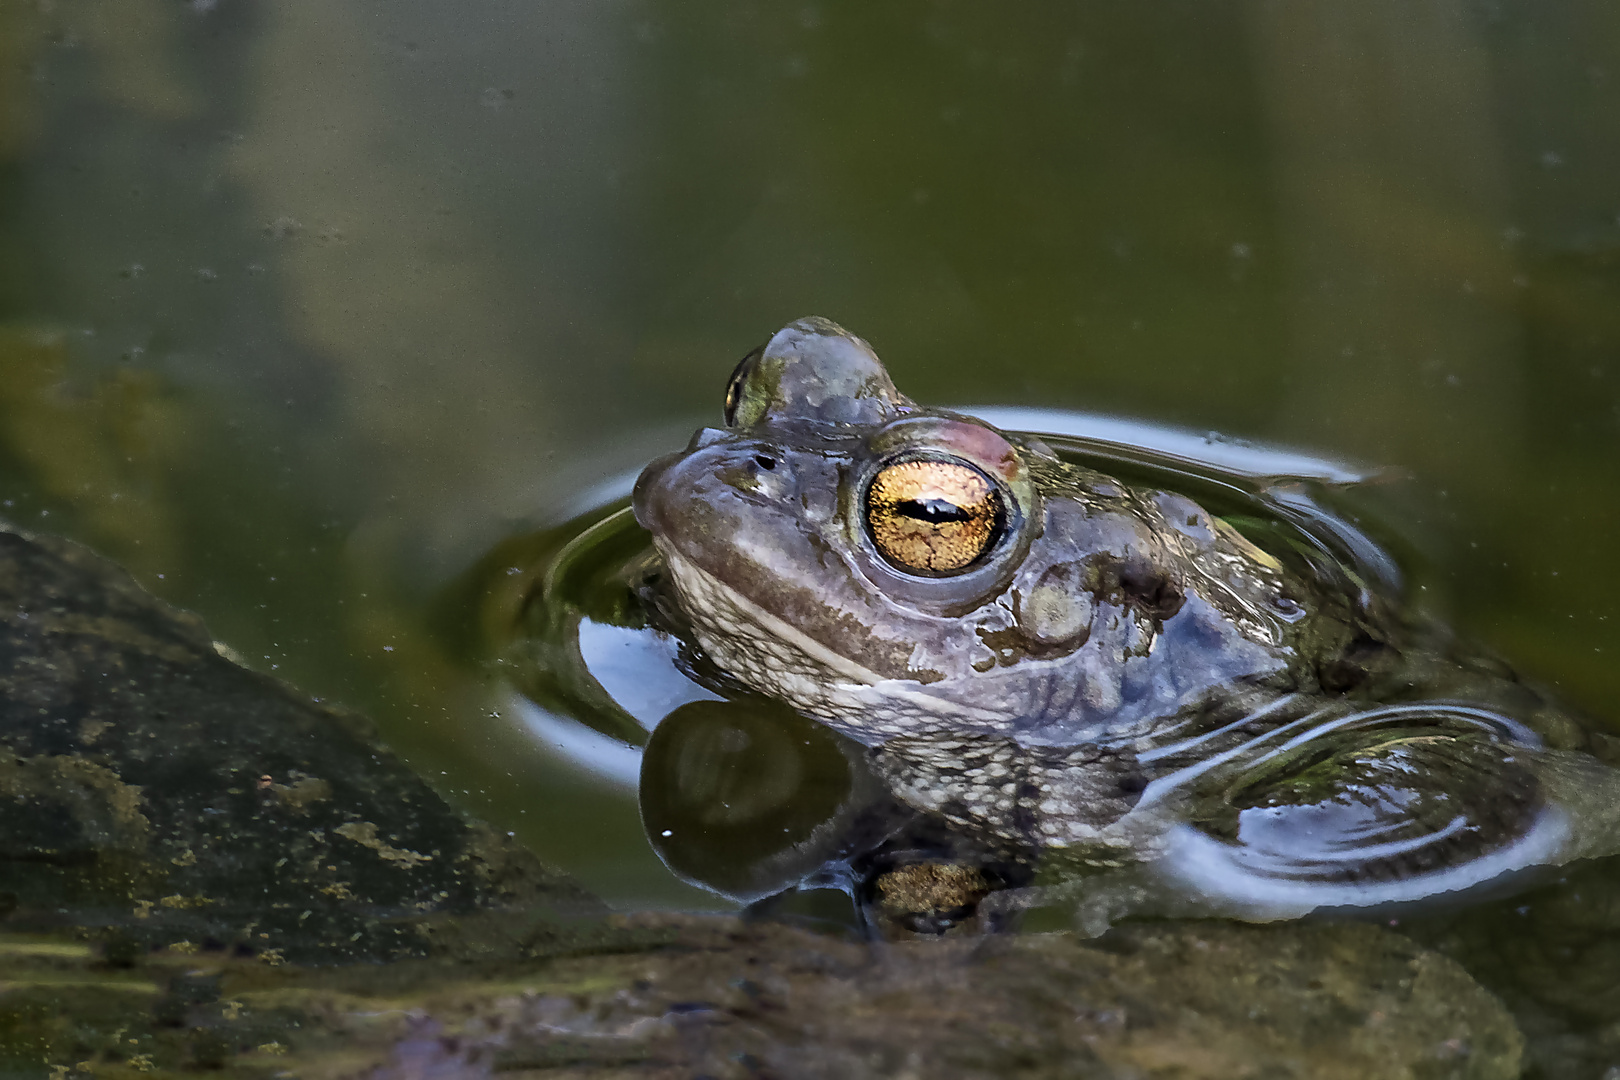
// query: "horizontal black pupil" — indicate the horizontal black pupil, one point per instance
point(934, 511)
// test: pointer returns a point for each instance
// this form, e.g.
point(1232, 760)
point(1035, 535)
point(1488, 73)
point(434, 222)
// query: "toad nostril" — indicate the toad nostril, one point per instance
point(765, 462)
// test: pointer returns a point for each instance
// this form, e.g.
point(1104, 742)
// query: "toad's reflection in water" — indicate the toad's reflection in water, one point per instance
point(1169, 688)
point(750, 799)
point(753, 800)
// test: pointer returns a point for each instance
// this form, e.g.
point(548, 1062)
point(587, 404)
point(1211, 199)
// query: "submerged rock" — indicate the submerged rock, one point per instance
point(155, 792)
point(194, 857)
point(713, 997)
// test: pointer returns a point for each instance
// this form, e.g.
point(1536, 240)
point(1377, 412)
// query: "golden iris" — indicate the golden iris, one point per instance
point(933, 517)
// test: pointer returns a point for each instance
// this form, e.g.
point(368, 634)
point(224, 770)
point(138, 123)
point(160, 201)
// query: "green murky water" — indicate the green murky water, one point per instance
point(306, 308)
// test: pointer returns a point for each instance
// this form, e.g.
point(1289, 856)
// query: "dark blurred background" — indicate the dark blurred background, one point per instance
point(306, 304)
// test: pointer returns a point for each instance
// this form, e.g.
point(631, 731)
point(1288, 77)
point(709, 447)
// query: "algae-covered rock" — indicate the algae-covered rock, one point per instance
point(153, 791)
point(681, 997)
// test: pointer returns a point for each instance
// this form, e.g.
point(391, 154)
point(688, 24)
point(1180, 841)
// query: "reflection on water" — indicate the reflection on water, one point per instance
point(747, 798)
point(1272, 810)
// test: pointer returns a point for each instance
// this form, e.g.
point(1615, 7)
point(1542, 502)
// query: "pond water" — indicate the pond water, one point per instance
point(312, 313)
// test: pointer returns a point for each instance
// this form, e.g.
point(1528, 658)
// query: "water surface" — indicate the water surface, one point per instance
point(306, 307)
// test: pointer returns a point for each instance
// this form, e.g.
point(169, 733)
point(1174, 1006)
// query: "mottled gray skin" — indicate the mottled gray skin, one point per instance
point(1025, 695)
point(1103, 605)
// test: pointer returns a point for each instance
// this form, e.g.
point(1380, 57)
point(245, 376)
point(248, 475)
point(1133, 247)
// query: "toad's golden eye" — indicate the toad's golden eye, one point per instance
point(933, 517)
